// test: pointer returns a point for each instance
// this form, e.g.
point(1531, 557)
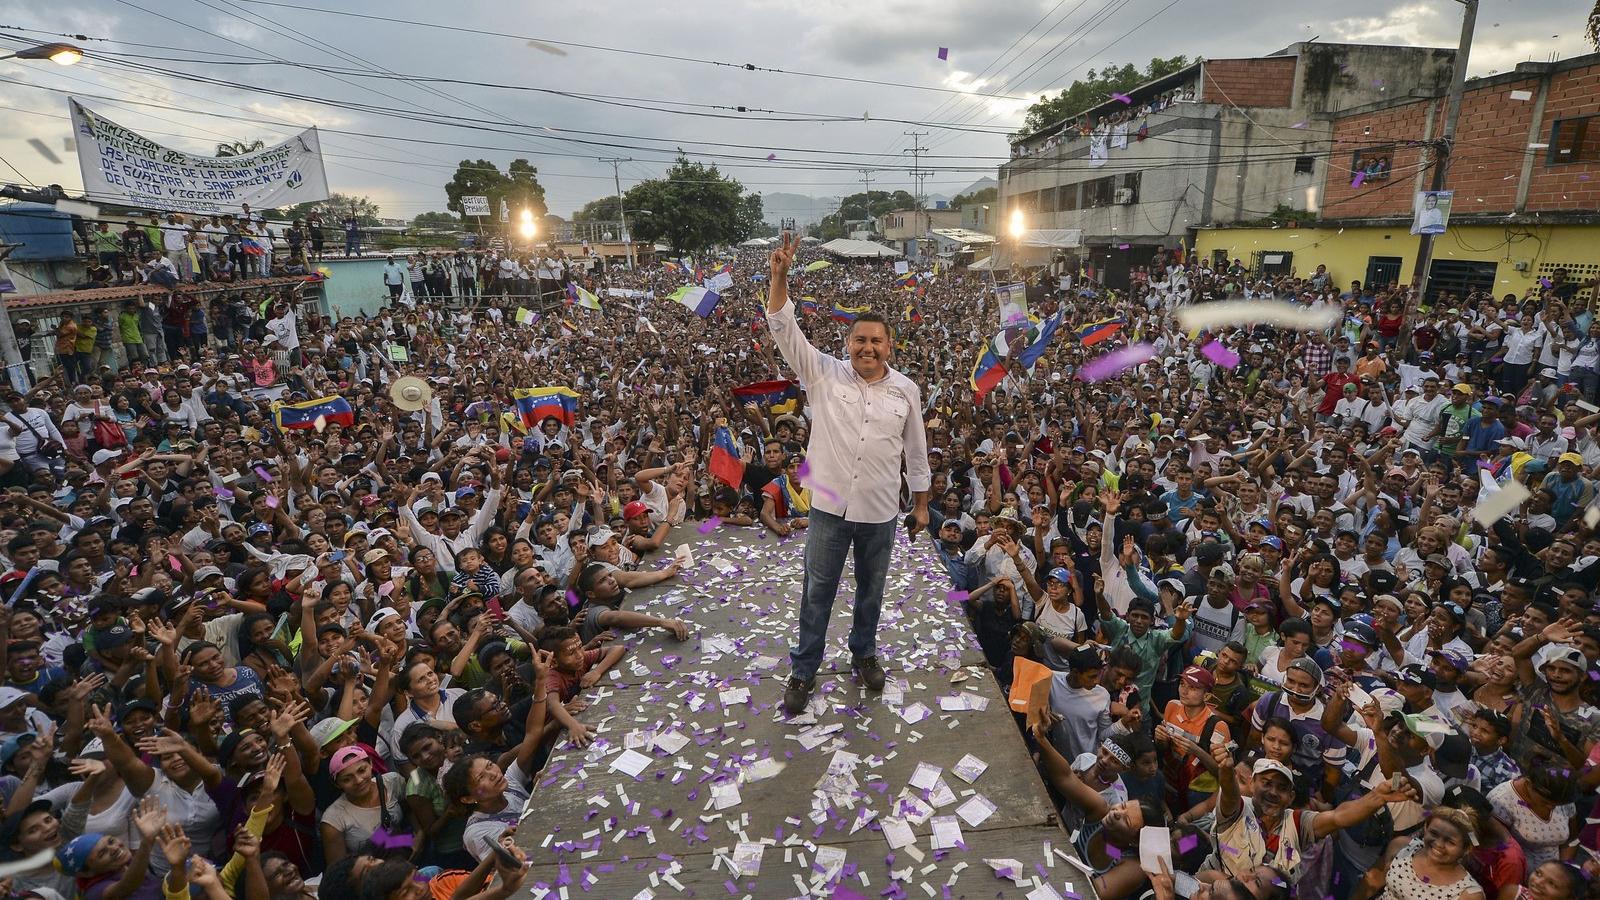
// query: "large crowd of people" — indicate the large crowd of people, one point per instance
point(246, 651)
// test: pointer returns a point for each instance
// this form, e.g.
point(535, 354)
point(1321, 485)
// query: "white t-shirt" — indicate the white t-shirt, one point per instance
point(357, 823)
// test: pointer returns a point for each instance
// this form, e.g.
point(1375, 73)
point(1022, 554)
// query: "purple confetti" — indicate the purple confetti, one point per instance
point(1220, 355)
point(1188, 842)
point(1357, 181)
point(1121, 98)
point(818, 489)
point(1298, 125)
point(771, 157)
point(710, 524)
point(1109, 365)
point(573, 600)
point(263, 474)
point(944, 53)
point(1112, 851)
point(1124, 246)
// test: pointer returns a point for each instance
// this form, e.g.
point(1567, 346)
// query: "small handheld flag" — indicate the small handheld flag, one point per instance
point(534, 405)
point(696, 299)
point(332, 410)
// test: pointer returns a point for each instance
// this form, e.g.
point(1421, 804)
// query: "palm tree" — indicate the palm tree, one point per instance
point(240, 148)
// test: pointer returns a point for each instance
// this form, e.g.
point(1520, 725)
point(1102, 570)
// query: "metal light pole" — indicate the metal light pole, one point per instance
point(1446, 142)
point(616, 180)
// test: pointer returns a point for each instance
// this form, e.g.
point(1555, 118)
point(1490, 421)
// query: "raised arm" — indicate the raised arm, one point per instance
point(806, 360)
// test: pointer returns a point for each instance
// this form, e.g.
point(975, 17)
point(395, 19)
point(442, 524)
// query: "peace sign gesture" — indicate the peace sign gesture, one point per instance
point(783, 257)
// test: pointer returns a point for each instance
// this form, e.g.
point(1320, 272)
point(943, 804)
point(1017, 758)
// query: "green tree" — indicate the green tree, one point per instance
point(436, 220)
point(1592, 27)
point(240, 148)
point(866, 205)
point(518, 186)
point(335, 209)
point(693, 209)
point(602, 210)
point(987, 195)
point(1095, 89)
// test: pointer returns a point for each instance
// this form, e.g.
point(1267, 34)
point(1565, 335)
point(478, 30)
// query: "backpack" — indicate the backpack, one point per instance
point(1375, 830)
point(1182, 772)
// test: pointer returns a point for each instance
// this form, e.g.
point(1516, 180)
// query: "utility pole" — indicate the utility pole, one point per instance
point(616, 179)
point(1446, 142)
point(866, 179)
point(916, 178)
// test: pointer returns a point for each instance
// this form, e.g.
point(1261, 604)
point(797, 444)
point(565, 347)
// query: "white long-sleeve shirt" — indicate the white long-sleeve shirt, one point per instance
point(860, 430)
point(445, 549)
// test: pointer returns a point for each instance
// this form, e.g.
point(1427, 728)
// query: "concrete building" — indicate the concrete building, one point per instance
point(1525, 174)
point(1219, 141)
point(905, 227)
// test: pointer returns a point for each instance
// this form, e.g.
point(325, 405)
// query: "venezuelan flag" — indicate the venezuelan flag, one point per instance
point(534, 405)
point(788, 498)
point(988, 372)
point(848, 313)
point(913, 315)
point(726, 462)
point(334, 410)
point(776, 397)
point(1094, 332)
point(671, 266)
point(808, 305)
point(906, 282)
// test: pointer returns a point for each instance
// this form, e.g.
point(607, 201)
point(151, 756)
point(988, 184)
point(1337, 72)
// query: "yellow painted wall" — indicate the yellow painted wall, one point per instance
point(1345, 251)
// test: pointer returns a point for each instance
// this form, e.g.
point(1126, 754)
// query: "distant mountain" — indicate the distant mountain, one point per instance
point(805, 210)
point(978, 185)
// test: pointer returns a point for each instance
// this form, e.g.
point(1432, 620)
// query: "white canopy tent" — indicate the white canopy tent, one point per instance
point(756, 242)
point(851, 249)
point(1035, 247)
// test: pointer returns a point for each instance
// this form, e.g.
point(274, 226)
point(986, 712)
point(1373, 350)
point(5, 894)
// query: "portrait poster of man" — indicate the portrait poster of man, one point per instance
point(1431, 212)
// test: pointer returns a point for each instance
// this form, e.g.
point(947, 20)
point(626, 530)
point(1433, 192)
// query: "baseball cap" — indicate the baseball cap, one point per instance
point(635, 509)
point(1570, 457)
point(204, 572)
point(1199, 677)
point(599, 536)
point(1549, 653)
point(345, 758)
point(1462, 389)
point(1271, 765)
point(1452, 755)
point(101, 457)
point(1060, 573)
point(1308, 666)
point(1389, 701)
point(328, 729)
point(1362, 633)
point(1457, 660)
point(1418, 675)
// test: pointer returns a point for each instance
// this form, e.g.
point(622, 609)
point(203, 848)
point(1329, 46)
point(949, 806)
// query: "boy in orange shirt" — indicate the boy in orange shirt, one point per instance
point(1195, 723)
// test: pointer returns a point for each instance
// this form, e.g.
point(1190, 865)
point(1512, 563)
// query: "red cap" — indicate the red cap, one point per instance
point(636, 508)
point(1199, 677)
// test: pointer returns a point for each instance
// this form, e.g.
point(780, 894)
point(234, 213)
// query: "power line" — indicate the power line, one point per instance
point(749, 67)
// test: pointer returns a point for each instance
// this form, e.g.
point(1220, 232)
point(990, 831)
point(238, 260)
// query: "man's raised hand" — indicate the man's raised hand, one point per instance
point(783, 257)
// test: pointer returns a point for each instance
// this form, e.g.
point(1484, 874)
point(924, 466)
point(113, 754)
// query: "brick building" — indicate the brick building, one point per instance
point(1525, 174)
point(1219, 141)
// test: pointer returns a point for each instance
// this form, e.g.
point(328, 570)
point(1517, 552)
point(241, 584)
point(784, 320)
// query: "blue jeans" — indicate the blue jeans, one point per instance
point(829, 539)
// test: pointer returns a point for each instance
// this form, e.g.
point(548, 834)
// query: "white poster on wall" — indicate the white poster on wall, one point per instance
point(123, 166)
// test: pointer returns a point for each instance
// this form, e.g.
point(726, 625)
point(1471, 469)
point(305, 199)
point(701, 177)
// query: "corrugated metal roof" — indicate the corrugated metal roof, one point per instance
point(130, 292)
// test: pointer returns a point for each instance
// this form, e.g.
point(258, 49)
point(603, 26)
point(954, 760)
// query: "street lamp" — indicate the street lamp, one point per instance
point(57, 52)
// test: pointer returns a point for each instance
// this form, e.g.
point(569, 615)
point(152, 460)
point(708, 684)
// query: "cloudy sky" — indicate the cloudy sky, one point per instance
point(866, 63)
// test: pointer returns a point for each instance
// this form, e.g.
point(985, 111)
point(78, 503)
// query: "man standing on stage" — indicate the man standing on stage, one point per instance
point(866, 418)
